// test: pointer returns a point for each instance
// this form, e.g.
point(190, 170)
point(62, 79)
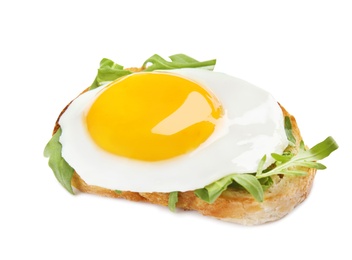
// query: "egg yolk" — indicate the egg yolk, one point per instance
point(152, 116)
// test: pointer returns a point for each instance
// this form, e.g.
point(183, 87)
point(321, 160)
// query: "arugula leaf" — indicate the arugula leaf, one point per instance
point(178, 61)
point(251, 184)
point(62, 170)
point(108, 71)
point(261, 165)
point(281, 158)
point(212, 191)
point(306, 158)
point(266, 182)
point(320, 150)
point(288, 130)
point(173, 199)
point(315, 165)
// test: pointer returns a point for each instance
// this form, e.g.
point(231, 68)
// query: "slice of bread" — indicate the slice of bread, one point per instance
point(233, 205)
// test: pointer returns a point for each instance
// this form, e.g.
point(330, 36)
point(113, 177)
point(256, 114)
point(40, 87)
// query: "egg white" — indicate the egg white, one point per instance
point(252, 126)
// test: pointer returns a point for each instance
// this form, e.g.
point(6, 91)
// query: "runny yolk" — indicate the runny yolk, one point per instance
point(152, 116)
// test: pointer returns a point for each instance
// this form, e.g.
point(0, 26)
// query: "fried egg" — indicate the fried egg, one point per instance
point(174, 130)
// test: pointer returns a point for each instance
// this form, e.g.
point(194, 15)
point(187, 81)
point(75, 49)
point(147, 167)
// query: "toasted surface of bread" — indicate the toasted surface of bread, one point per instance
point(236, 206)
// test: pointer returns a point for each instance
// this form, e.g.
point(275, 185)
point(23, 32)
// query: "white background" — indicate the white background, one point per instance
point(300, 51)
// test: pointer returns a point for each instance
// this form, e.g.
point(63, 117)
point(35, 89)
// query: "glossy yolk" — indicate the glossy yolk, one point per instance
point(152, 116)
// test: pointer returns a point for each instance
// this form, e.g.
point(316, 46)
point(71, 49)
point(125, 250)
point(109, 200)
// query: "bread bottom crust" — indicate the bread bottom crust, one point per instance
point(236, 206)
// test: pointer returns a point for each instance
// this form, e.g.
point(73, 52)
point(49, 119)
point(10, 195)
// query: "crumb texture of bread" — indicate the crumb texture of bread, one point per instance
point(235, 206)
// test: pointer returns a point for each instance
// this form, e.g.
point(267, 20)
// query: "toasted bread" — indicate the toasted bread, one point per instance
point(233, 205)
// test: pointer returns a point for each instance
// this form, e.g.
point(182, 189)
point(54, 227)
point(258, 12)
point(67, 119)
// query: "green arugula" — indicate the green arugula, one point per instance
point(62, 170)
point(173, 199)
point(288, 129)
point(288, 164)
point(110, 71)
point(212, 191)
point(178, 61)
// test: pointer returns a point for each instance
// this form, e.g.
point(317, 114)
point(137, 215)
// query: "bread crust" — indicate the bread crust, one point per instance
point(236, 206)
